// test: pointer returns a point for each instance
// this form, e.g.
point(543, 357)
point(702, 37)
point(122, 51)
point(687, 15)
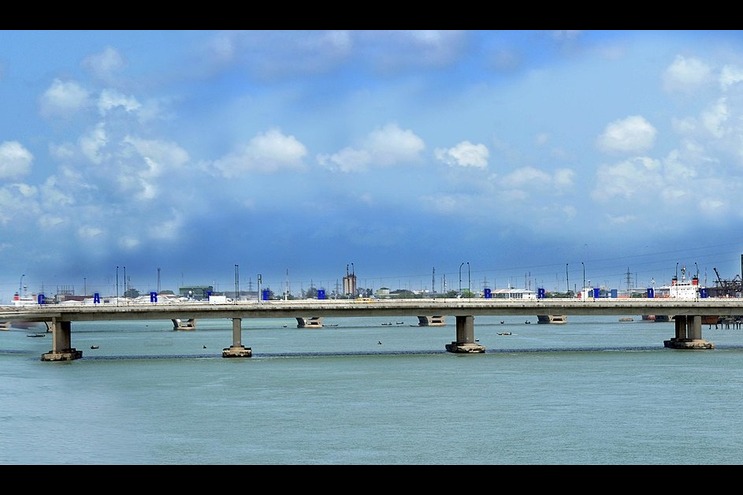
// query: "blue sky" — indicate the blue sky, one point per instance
point(412, 158)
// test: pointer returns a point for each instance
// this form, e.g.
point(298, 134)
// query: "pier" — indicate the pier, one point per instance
point(687, 316)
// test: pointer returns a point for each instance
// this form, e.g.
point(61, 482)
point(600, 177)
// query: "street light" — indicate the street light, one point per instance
point(695, 264)
point(677, 270)
point(237, 283)
point(20, 286)
point(460, 278)
point(469, 281)
point(584, 274)
point(567, 281)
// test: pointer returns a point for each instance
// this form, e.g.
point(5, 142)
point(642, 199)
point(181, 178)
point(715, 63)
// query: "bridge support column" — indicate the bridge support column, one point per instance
point(688, 331)
point(62, 349)
point(465, 342)
point(237, 349)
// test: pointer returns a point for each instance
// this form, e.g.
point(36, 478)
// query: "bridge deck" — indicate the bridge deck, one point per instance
point(392, 307)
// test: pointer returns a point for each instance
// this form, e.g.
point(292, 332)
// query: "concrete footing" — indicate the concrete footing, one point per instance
point(431, 321)
point(675, 343)
point(189, 324)
point(65, 355)
point(237, 351)
point(311, 322)
point(465, 347)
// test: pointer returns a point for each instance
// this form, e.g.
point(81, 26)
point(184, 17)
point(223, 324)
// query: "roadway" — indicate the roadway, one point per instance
point(687, 314)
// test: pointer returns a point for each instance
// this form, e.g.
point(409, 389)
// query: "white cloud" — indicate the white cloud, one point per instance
point(526, 176)
point(15, 160)
point(93, 142)
point(686, 75)
point(89, 231)
point(63, 98)
point(385, 146)
point(635, 178)
point(266, 153)
point(346, 160)
point(715, 117)
point(464, 154)
point(167, 229)
point(564, 177)
point(105, 64)
point(390, 145)
point(632, 134)
point(110, 99)
point(159, 156)
point(730, 76)
point(128, 243)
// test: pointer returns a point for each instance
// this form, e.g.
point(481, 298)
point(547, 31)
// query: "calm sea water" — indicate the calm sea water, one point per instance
point(373, 391)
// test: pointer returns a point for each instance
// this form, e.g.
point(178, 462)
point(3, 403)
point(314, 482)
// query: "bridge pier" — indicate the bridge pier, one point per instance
point(688, 334)
point(237, 349)
point(62, 349)
point(465, 342)
point(310, 322)
point(189, 324)
point(431, 321)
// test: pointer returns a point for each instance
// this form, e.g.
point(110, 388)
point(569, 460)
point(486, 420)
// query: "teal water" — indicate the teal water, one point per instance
point(593, 391)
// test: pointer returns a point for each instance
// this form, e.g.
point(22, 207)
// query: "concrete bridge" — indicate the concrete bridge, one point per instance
point(687, 315)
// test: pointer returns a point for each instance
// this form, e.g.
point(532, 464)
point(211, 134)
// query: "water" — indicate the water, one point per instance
point(593, 391)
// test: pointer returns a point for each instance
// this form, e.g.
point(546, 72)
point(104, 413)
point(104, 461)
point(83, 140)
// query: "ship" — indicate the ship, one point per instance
point(686, 289)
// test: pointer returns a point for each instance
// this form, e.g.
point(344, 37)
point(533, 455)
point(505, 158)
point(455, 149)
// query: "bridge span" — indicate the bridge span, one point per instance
point(687, 315)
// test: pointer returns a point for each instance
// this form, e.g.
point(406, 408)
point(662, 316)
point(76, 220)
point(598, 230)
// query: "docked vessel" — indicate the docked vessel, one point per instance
point(22, 300)
point(686, 289)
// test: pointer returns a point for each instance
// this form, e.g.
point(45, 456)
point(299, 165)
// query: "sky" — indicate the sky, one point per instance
point(419, 160)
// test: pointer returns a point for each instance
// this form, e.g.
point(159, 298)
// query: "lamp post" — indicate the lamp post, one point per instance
point(584, 274)
point(697, 266)
point(469, 281)
point(237, 283)
point(20, 286)
point(460, 278)
point(567, 281)
point(260, 296)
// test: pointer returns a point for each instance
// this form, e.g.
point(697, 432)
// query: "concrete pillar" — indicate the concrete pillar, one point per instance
point(236, 332)
point(465, 342)
point(62, 349)
point(237, 349)
point(679, 322)
point(465, 329)
point(694, 327)
point(61, 335)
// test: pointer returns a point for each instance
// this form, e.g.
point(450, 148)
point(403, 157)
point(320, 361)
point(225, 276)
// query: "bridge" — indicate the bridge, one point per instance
point(687, 315)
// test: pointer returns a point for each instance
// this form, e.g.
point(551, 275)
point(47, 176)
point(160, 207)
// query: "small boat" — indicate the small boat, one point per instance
point(94, 347)
point(35, 335)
